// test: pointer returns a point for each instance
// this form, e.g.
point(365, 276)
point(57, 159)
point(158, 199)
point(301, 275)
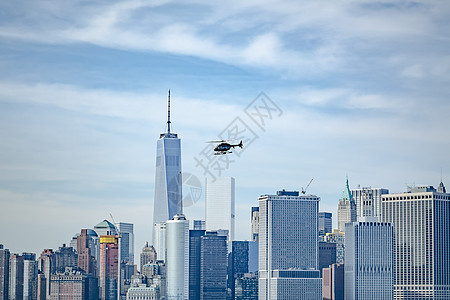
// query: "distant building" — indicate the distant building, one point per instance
point(86, 261)
point(333, 282)
point(213, 266)
point(288, 247)
point(220, 205)
point(421, 242)
point(109, 267)
point(255, 223)
point(159, 240)
point(143, 292)
point(198, 225)
point(65, 257)
point(177, 259)
point(338, 238)
point(369, 265)
point(327, 254)
point(30, 276)
point(126, 242)
point(16, 277)
point(242, 259)
point(195, 249)
point(325, 223)
point(105, 228)
point(346, 208)
point(246, 287)
point(148, 255)
point(73, 284)
point(46, 267)
point(368, 201)
point(4, 272)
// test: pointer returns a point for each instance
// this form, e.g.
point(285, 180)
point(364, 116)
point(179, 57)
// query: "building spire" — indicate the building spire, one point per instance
point(168, 113)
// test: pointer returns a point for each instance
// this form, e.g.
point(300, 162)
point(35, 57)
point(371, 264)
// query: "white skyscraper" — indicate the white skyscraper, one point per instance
point(369, 260)
point(168, 200)
point(177, 258)
point(368, 201)
point(288, 247)
point(421, 243)
point(220, 207)
point(346, 208)
point(159, 240)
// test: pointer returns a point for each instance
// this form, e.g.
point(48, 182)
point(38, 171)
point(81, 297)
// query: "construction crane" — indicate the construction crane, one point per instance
point(304, 190)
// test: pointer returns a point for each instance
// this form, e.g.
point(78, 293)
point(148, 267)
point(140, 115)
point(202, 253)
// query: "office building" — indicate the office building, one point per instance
point(368, 201)
point(109, 267)
point(333, 282)
point(143, 292)
point(255, 223)
point(327, 254)
point(126, 242)
point(177, 258)
point(4, 272)
point(168, 201)
point(16, 276)
point(288, 247)
point(213, 266)
point(220, 207)
point(246, 287)
point(198, 225)
point(30, 276)
point(105, 228)
point(325, 223)
point(195, 237)
point(73, 284)
point(148, 255)
point(346, 208)
point(242, 259)
point(369, 266)
point(421, 242)
point(65, 257)
point(159, 240)
point(338, 238)
point(46, 267)
point(86, 261)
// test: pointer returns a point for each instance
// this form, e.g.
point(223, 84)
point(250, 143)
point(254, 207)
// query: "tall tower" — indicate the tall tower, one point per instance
point(220, 209)
point(346, 208)
point(288, 247)
point(4, 272)
point(167, 201)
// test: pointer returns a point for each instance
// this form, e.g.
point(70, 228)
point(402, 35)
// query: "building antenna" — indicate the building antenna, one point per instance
point(168, 113)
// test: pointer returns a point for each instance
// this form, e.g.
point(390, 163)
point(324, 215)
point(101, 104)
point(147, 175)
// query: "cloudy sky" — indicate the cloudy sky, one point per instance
point(357, 88)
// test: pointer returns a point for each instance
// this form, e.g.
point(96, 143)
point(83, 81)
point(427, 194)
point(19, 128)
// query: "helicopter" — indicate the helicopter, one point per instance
point(224, 147)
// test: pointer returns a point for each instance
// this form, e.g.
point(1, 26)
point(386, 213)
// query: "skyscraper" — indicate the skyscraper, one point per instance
point(159, 240)
point(126, 242)
point(241, 259)
point(368, 201)
point(30, 276)
point(177, 258)
point(168, 200)
point(16, 277)
point(195, 249)
point(325, 223)
point(255, 223)
point(148, 255)
point(46, 266)
point(213, 266)
point(369, 266)
point(109, 267)
point(421, 242)
point(288, 247)
point(4, 272)
point(105, 228)
point(333, 282)
point(346, 208)
point(220, 207)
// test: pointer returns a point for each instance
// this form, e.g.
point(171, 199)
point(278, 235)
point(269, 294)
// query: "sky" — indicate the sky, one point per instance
point(316, 89)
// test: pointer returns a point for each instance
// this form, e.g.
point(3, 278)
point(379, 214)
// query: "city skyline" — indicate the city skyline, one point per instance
point(362, 90)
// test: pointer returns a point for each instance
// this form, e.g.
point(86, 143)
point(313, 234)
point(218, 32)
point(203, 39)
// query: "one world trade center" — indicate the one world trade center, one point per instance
point(167, 201)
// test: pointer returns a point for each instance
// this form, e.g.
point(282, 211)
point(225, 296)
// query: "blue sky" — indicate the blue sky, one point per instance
point(362, 86)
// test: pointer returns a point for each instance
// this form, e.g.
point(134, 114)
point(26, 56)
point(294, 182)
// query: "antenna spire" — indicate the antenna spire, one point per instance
point(168, 113)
